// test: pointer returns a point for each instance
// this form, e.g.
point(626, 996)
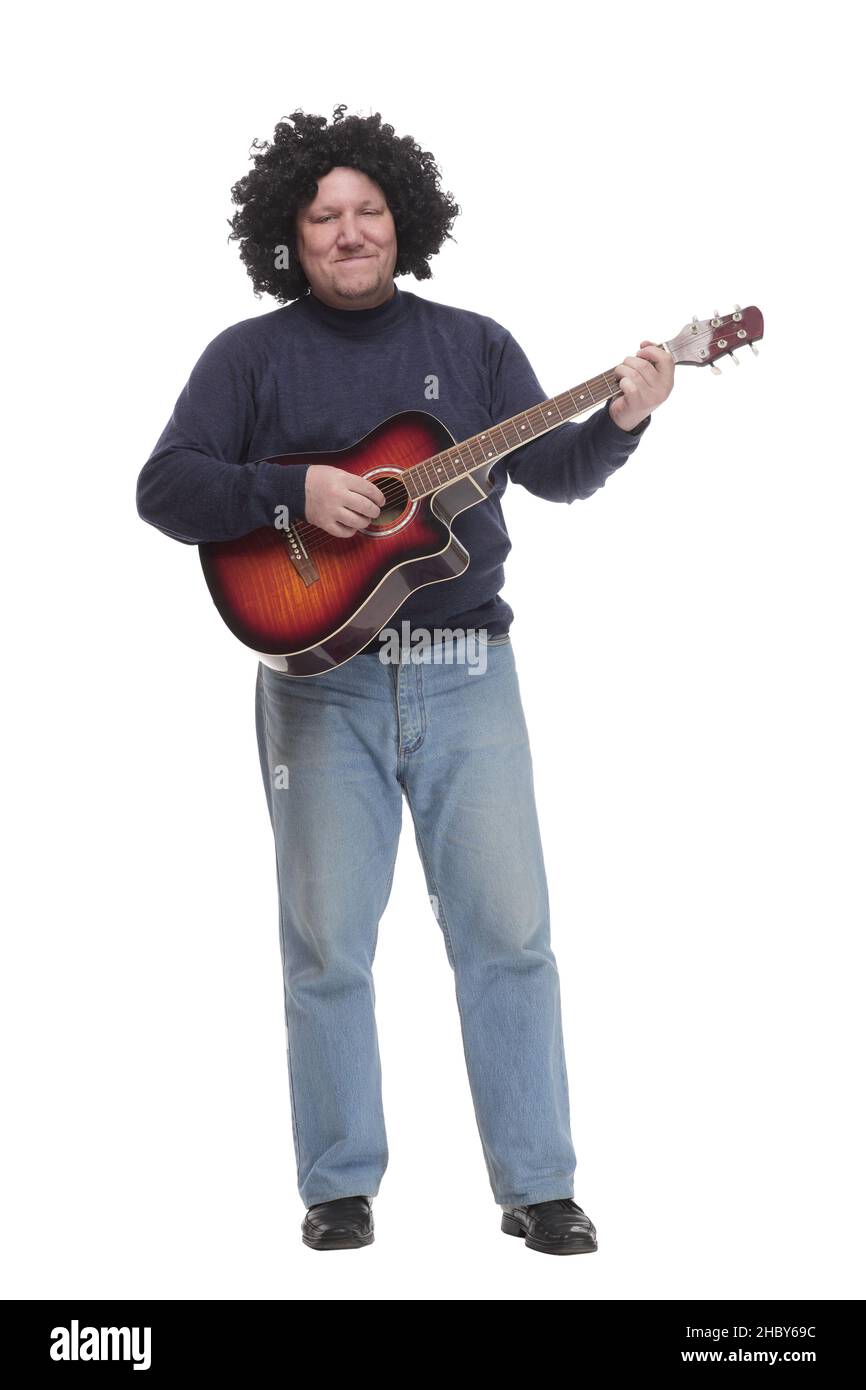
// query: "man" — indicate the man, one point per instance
point(328, 217)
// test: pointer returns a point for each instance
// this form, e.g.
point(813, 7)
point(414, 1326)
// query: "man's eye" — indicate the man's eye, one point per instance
point(374, 212)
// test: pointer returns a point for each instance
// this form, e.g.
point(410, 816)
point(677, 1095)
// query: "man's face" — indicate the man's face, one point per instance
point(347, 242)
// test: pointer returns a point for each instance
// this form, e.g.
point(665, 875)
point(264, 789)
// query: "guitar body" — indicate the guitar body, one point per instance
point(306, 601)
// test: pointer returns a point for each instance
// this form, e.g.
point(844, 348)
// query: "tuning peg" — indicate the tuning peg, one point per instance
point(737, 309)
point(754, 349)
point(716, 371)
point(735, 357)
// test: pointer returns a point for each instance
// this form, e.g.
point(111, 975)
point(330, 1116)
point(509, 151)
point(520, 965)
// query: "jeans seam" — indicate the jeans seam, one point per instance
point(449, 944)
point(283, 953)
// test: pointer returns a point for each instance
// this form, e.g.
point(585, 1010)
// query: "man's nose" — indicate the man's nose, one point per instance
point(350, 232)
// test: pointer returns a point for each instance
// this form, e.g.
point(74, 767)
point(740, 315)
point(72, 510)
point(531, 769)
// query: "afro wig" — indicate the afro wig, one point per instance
point(285, 178)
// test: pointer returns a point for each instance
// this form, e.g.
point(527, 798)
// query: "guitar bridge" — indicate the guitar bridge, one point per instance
point(299, 556)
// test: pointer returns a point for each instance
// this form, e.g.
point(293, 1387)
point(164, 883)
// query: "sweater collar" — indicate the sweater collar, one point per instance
point(356, 321)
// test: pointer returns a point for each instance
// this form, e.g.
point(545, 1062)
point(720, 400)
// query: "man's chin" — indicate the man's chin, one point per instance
point(361, 288)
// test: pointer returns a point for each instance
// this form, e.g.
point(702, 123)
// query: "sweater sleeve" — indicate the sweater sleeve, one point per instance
point(198, 484)
point(571, 461)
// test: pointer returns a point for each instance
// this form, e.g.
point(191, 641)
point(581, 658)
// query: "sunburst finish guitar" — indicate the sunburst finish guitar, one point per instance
point(306, 601)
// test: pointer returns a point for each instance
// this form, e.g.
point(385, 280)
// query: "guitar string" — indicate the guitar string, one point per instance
point(395, 492)
point(315, 538)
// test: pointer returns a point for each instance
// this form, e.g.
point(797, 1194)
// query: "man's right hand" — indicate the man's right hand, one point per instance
point(338, 502)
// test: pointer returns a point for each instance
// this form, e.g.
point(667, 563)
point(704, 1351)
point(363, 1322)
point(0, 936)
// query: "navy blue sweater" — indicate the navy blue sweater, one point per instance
point(308, 377)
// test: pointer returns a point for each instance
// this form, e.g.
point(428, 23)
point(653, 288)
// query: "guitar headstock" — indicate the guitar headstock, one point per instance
point(700, 343)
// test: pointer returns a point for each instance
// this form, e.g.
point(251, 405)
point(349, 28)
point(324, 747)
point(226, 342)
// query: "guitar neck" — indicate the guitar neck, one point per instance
point(423, 479)
point(699, 343)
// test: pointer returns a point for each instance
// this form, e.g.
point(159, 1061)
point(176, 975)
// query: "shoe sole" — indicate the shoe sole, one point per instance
point(512, 1227)
point(338, 1242)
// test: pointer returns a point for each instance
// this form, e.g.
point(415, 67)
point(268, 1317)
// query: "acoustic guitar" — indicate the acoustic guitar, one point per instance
point(306, 601)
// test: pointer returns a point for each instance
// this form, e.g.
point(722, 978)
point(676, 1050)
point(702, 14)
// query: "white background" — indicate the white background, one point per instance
point(689, 646)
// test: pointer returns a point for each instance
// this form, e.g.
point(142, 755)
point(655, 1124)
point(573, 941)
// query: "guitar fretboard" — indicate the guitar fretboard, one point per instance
point(423, 479)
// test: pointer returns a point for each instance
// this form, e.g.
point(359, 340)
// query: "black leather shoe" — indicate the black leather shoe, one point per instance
point(559, 1227)
point(342, 1224)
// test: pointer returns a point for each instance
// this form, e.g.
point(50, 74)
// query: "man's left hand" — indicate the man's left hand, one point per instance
point(645, 380)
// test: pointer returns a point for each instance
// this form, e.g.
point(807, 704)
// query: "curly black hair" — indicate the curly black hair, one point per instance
point(284, 179)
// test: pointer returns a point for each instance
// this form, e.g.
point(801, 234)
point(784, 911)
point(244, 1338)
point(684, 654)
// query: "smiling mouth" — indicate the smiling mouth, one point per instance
point(353, 258)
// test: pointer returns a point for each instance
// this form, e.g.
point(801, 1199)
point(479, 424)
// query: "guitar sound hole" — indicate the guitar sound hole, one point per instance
point(397, 503)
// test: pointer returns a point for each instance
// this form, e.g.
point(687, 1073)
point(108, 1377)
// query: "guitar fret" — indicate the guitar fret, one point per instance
point(505, 444)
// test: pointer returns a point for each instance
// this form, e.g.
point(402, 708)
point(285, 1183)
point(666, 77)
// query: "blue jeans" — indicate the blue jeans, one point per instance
point(338, 752)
